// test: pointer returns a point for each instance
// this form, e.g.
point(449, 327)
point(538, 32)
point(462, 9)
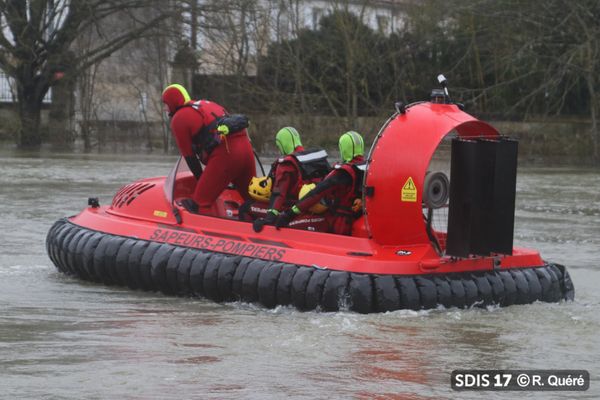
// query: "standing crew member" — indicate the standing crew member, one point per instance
point(205, 132)
point(289, 173)
point(341, 189)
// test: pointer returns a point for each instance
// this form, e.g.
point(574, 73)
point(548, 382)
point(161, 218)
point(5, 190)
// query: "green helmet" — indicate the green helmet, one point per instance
point(287, 139)
point(351, 145)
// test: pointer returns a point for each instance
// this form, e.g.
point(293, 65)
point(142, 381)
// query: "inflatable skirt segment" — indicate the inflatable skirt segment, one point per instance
point(174, 270)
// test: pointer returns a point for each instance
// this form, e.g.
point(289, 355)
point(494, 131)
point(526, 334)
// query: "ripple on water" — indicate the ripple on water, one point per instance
point(64, 338)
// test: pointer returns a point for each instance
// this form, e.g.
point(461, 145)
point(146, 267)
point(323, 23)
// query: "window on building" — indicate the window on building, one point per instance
point(283, 25)
point(143, 102)
point(8, 94)
point(317, 14)
point(383, 24)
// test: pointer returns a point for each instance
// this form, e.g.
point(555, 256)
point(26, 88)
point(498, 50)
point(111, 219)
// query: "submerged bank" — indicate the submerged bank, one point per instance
point(541, 142)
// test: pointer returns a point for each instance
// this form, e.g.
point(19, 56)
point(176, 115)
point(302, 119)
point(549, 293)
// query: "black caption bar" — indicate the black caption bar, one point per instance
point(521, 380)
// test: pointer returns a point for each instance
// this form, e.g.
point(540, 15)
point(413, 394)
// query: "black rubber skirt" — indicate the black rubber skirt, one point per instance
point(174, 270)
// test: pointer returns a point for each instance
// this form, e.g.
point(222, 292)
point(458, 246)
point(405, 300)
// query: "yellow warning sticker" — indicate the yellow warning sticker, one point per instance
point(409, 190)
point(162, 214)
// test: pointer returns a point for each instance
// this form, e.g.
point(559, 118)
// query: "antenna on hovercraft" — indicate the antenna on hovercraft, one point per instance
point(444, 82)
point(441, 96)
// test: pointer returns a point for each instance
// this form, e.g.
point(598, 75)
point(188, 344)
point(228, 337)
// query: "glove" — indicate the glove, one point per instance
point(357, 205)
point(285, 217)
point(261, 222)
point(194, 166)
point(244, 210)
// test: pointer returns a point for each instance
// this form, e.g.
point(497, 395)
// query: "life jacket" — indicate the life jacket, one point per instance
point(343, 204)
point(208, 137)
point(311, 166)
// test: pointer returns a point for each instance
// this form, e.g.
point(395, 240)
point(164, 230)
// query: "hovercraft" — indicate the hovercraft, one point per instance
point(396, 258)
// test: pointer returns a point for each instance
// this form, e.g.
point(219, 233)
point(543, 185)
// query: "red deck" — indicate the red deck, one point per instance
point(393, 239)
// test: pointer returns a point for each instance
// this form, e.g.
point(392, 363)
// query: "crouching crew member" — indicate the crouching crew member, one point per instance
point(341, 189)
point(204, 132)
point(296, 167)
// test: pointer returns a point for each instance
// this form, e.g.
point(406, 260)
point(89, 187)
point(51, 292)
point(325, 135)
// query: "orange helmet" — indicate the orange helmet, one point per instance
point(174, 96)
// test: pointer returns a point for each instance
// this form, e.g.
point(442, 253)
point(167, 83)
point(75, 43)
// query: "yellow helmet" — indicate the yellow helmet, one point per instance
point(318, 208)
point(260, 188)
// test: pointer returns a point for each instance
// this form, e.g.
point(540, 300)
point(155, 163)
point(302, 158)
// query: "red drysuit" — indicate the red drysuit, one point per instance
point(231, 160)
point(287, 181)
point(341, 187)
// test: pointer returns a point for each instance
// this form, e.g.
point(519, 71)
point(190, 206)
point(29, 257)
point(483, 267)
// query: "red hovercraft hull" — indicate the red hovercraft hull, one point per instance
point(146, 242)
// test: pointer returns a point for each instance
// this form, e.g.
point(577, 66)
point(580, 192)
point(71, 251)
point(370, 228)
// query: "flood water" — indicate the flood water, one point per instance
point(62, 338)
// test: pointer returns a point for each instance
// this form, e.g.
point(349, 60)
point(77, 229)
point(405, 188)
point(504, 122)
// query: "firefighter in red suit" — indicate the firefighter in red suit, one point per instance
point(290, 172)
point(286, 175)
point(226, 154)
point(341, 189)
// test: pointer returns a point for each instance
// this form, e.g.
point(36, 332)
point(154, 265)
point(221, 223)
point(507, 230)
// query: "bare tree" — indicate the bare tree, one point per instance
point(36, 38)
point(538, 57)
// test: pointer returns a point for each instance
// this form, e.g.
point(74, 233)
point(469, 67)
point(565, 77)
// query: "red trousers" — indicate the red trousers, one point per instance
point(231, 161)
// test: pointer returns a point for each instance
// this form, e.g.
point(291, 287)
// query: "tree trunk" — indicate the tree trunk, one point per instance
point(30, 110)
point(30, 93)
point(85, 135)
point(86, 104)
point(595, 132)
point(61, 114)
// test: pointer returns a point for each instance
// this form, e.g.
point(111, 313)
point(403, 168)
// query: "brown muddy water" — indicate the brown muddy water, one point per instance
point(62, 338)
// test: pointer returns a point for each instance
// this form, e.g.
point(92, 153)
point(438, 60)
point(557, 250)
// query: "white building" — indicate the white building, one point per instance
point(248, 27)
point(231, 34)
point(382, 16)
